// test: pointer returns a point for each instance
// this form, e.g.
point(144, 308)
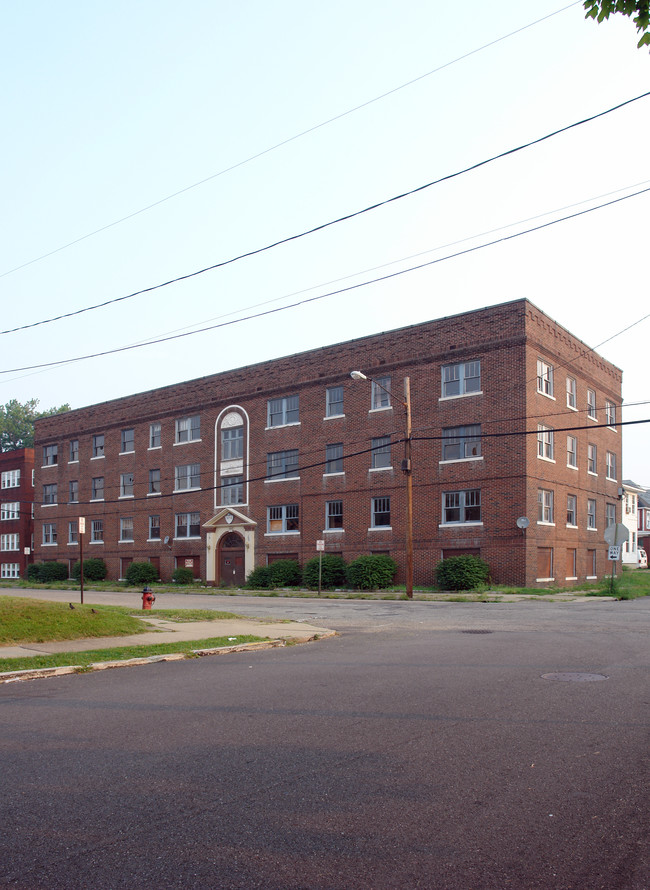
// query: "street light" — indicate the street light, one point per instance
point(407, 469)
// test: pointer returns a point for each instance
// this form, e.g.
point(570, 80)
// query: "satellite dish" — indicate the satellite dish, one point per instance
point(523, 522)
point(167, 539)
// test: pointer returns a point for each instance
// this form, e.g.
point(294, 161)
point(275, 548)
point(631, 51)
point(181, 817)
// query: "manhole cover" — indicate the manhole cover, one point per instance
point(574, 677)
point(476, 631)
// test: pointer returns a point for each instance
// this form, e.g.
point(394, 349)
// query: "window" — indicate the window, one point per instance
point(461, 442)
point(591, 459)
point(380, 393)
point(10, 510)
point(610, 515)
point(11, 479)
point(154, 481)
point(571, 400)
point(128, 441)
point(97, 489)
point(49, 533)
point(154, 528)
point(282, 464)
point(380, 454)
point(154, 435)
point(73, 491)
point(232, 490)
point(284, 518)
point(188, 429)
point(591, 563)
point(461, 379)
point(571, 509)
point(461, 506)
point(282, 411)
point(544, 505)
point(591, 513)
point(544, 378)
point(188, 525)
point(610, 413)
point(187, 476)
point(96, 531)
point(73, 531)
point(126, 528)
point(232, 443)
point(49, 494)
point(333, 515)
point(9, 542)
point(10, 570)
point(545, 448)
point(545, 564)
point(50, 455)
point(334, 401)
point(334, 458)
point(591, 404)
point(610, 459)
point(571, 564)
point(98, 445)
point(74, 451)
point(571, 451)
point(126, 485)
point(380, 513)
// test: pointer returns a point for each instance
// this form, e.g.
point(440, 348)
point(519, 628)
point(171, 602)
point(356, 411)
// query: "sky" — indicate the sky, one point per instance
point(147, 141)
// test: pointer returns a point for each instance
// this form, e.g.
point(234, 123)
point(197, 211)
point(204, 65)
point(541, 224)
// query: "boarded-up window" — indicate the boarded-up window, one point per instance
point(591, 563)
point(571, 563)
point(544, 563)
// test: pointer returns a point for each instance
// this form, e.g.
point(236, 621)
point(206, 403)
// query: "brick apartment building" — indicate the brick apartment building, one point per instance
point(512, 417)
point(16, 511)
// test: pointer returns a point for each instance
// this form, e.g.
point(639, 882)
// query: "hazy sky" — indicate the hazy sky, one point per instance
point(110, 108)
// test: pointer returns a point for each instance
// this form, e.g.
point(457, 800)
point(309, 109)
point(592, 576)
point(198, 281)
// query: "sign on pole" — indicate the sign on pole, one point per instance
point(614, 552)
point(320, 545)
point(617, 534)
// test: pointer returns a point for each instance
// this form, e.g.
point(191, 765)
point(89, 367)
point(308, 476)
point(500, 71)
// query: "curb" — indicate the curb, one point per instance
point(38, 673)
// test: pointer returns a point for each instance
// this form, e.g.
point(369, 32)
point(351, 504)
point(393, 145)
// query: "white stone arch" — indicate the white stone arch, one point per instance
point(227, 419)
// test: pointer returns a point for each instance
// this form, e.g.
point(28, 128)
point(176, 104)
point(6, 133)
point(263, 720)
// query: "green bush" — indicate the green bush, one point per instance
point(141, 573)
point(461, 573)
point(182, 575)
point(33, 572)
point(47, 571)
point(373, 572)
point(259, 578)
point(333, 572)
point(285, 573)
point(94, 570)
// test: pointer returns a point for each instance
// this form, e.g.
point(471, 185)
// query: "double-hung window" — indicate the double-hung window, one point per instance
point(10, 510)
point(10, 570)
point(188, 429)
point(232, 490)
point(571, 509)
point(591, 513)
point(380, 516)
point(10, 542)
point(97, 531)
point(571, 398)
point(282, 464)
point(73, 531)
point(154, 528)
point(334, 458)
point(283, 411)
point(461, 506)
point(380, 393)
point(610, 414)
point(461, 379)
point(544, 505)
point(591, 404)
point(544, 378)
point(232, 443)
point(126, 528)
point(283, 518)
point(334, 401)
point(74, 451)
point(155, 435)
point(571, 451)
point(187, 476)
point(610, 515)
point(49, 533)
point(50, 493)
point(592, 463)
point(154, 481)
point(461, 442)
point(11, 479)
point(333, 515)
point(611, 465)
point(381, 459)
point(188, 525)
point(545, 442)
point(126, 485)
point(98, 445)
point(97, 489)
point(127, 441)
point(50, 455)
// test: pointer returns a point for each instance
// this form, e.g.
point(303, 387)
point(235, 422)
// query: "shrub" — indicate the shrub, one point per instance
point(373, 572)
point(285, 573)
point(259, 578)
point(94, 570)
point(47, 571)
point(333, 572)
point(33, 572)
point(461, 573)
point(141, 573)
point(182, 575)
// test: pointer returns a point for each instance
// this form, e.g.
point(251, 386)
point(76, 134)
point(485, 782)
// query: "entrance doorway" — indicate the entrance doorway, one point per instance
point(232, 572)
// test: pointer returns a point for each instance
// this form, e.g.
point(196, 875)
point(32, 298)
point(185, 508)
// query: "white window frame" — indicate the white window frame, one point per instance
point(334, 459)
point(380, 393)
point(127, 488)
point(50, 494)
point(282, 465)
point(232, 490)
point(545, 498)
point(461, 376)
point(283, 411)
point(572, 510)
point(10, 542)
point(125, 440)
point(94, 489)
point(10, 510)
point(610, 515)
point(331, 403)
point(49, 534)
point(572, 452)
point(188, 521)
point(97, 531)
point(155, 435)
point(188, 429)
point(466, 502)
point(592, 459)
point(73, 451)
point(334, 516)
point(10, 570)
point(591, 404)
point(545, 378)
point(50, 455)
point(154, 525)
point(287, 515)
point(154, 483)
point(99, 446)
point(610, 414)
point(126, 523)
point(571, 394)
point(545, 443)
point(232, 443)
point(610, 464)
point(380, 454)
point(11, 479)
point(73, 531)
point(380, 506)
point(591, 514)
point(467, 439)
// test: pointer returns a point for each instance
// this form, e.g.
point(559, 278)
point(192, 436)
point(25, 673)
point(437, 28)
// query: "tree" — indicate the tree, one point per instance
point(17, 423)
point(638, 10)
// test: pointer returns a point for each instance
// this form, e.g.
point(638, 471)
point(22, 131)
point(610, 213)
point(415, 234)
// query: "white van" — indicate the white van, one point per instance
point(641, 558)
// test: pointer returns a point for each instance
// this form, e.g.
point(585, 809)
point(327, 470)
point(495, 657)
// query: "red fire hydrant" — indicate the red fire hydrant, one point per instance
point(148, 599)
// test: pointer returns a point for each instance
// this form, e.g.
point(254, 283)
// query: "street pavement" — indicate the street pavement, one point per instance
point(450, 746)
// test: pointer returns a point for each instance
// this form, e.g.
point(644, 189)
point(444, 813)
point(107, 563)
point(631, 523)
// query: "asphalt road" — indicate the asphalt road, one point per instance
point(422, 747)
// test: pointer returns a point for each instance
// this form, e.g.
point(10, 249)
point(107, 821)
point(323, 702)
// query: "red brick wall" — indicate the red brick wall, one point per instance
point(22, 460)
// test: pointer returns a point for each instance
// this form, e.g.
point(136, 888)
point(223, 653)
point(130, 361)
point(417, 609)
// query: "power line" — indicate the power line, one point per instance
point(322, 226)
point(339, 291)
point(284, 142)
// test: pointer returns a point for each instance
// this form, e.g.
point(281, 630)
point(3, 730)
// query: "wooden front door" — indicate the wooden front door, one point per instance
point(231, 560)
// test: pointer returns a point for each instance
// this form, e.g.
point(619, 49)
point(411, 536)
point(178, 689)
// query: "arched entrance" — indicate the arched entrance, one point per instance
point(232, 571)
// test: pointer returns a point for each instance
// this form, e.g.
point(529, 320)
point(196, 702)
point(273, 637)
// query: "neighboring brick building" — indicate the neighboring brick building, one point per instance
point(16, 511)
point(230, 471)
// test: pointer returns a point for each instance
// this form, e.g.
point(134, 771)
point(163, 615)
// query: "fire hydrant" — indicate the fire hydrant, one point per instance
point(148, 599)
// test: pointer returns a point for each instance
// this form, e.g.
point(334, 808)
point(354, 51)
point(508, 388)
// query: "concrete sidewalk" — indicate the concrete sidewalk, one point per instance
point(167, 631)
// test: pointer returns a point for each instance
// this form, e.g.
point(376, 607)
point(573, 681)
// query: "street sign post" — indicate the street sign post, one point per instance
point(615, 535)
point(614, 552)
point(320, 546)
